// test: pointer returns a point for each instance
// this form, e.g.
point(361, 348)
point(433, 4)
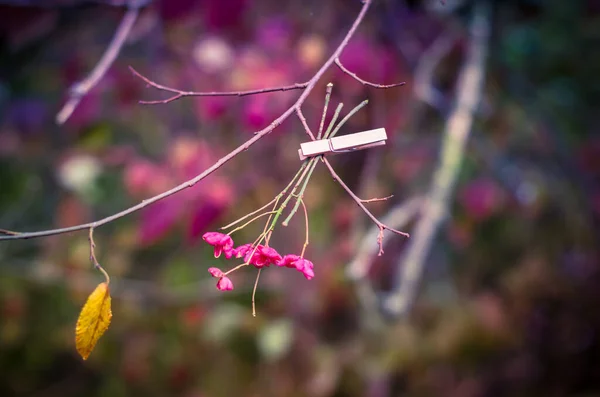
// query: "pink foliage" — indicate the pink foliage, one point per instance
point(274, 35)
point(222, 14)
point(198, 206)
point(481, 198)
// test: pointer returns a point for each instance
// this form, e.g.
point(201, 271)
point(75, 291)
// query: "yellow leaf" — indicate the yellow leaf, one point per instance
point(93, 321)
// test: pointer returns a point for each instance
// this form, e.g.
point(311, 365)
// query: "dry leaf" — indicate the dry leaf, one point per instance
point(93, 321)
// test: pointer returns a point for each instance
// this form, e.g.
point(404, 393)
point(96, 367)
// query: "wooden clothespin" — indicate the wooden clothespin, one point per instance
point(344, 143)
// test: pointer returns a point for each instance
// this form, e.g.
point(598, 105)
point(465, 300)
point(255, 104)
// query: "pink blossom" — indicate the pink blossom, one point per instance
point(270, 255)
point(258, 260)
point(261, 256)
point(221, 242)
point(215, 272)
point(224, 284)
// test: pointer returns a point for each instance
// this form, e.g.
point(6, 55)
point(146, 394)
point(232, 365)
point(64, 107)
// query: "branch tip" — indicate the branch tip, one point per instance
point(365, 82)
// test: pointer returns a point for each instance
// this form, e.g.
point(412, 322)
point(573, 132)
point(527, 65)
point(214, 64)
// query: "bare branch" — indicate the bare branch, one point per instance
point(80, 89)
point(358, 269)
point(181, 94)
point(457, 129)
point(358, 201)
point(376, 199)
point(9, 232)
point(304, 123)
point(328, 90)
point(364, 82)
point(398, 217)
point(256, 137)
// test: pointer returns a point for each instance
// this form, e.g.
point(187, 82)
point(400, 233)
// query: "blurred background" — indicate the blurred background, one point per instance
point(508, 304)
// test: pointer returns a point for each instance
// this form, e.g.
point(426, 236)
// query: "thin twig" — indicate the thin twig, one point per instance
point(304, 123)
point(9, 232)
point(456, 133)
point(80, 89)
point(250, 221)
point(181, 93)
point(348, 116)
point(250, 214)
point(358, 201)
point(328, 90)
point(305, 227)
point(364, 82)
point(256, 137)
point(93, 258)
point(333, 120)
point(311, 168)
point(376, 199)
point(397, 217)
point(254, 293)
point(275, 200)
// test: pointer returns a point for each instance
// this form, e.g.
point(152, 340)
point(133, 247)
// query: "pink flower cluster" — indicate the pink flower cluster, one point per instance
point(258, 256)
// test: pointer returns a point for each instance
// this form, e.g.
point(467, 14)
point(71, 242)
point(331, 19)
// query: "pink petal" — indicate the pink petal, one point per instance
point(157, 220)
point(203, 216)
point(221, 242)
point(212, 238)
point(288, 261)
point(308, 273)
point(215, 272)
point(270, 255)
point(224, 284)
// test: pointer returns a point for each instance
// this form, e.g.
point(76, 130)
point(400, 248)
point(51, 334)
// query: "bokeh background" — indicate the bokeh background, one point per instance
point(510, 301)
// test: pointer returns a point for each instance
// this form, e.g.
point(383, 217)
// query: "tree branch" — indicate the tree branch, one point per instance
point(364, 82)
point(304, 123)
point(457, 129)
point(398, 217)
point(257, 136)
point(181, 93)
point(81, 88)
point(360, 203)
point(358, 269)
